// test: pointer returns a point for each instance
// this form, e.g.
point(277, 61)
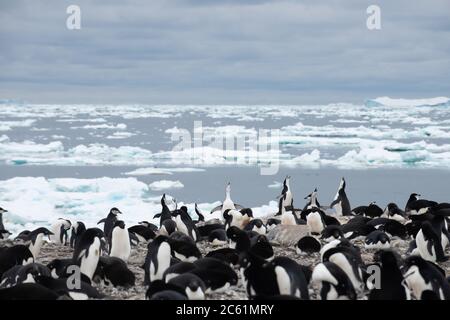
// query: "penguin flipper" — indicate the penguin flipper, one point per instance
point(336, 201)
point(238, 206)
point(216, 208)
point(102, 221)
point(158, 215)
point(440, 255)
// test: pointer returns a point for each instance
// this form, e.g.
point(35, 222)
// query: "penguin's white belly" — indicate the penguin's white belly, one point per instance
point(283, 280)
point(287, 218)
point(163, 257)
point(181, 226)
point(36, 247)
point(120, 247)
point(423, 249)
point(338, 208)
point(314, 221)
point(89, 263)
point(340, 260)
point(227, 204)
point(195, 295)
point(416, 283)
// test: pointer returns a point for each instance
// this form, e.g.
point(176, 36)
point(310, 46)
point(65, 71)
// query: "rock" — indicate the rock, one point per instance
point(287, 235)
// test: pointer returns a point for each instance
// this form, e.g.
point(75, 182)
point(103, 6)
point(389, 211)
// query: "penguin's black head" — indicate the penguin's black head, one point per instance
point(43, 231)
point(115, 211)
point(392, 207)
point(3, 210)
point(332, 231)
point(414, 261)
point(184, 209)
point(5, 233)
point(120, 224)
point(66, 223)
point(226, 215)
point(247, 211)
point(258, 223)
point(414, 196)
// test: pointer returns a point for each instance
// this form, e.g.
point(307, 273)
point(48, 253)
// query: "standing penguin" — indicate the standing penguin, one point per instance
point(341, 203)
point(87, 251)
point(201, 217)
point(417, 207)
point(120, 246)
point(184, 222)
point(2, 211)
point(59, 230)
point(78, 228)
point(422, 275)
point(157, 260)
point(109, 221)
point(36, 238)
point(285, 199)
point(429, 243)
point(227, 203)
point(312, 201)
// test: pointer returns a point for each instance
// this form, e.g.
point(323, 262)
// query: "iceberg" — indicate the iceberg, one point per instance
point(389, 102)
point(165, 185)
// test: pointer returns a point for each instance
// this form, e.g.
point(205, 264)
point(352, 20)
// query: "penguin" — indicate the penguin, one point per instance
point(256, 225)
point(392, 211)
point(333, 282)
point(314, 220)
point(205, 230)
point(272, 223)
point(357, 228)
point(83, 292)
point(15, 255)
point(227, 255)
point(377, 240)
point(261, 246)
point(290, 277)
point(393, 228)
point(88, 250)
point(142, 232)
point(285, 200)
point(192, 285)
point(289, 217)
point(147, 224)
point(416, 207)
point(217, 275)
point(218, 237)
point(201, 217)
point(331, 233)
point(429, 243)
point(28, 291)
point(235, 218)
point(2, 211)
point(258, 276)
point(350, 262)
point(109, 221)
point(23, 274)
point(168, 227)
point(184, 222)
point(377, 223)
point(36, 238)
point(4, 234)
point(227, 203)
point(422, 275)
point(58, 267)
point(120, 246)
point(165, 214)
point(59, 230)
point(184, 250)
point(78, 228)
point(238, 239)
point(312, 201)
point(157, 259)
point(177, 269)
point(340, 203)
point(391, 286)
point(308, 245)
point(114, 271)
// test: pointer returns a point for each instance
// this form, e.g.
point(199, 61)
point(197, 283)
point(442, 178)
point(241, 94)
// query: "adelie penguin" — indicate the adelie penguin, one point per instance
point(109, 221)
point(227, 203)
point(272, 223)
point(416, 207)
point(341, 204)
point(184, 248)
point(120, 246)
point(36, 238)
point(88, 250)
point(285, 200)
point(78, 228)
point(184, 222)
point(377, 240)
point(422, 275)
point(114, 271)
point(23, 274)
point(13, 256)
point(59, 231)
point(392, 211)
point(157, 260)
point(256, 225)
point(192, 285)
point(218, 237)
point(331, 233)
point(371, 211)
point(429, 243)
point(4, 234)
point(334, 284)
point(236, 218)
point(308, 245)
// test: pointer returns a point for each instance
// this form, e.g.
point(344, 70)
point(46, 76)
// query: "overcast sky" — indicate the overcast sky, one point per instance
point(223, 52)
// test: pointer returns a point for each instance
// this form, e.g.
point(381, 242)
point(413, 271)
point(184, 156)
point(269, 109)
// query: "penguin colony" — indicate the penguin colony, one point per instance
point(334, 252)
